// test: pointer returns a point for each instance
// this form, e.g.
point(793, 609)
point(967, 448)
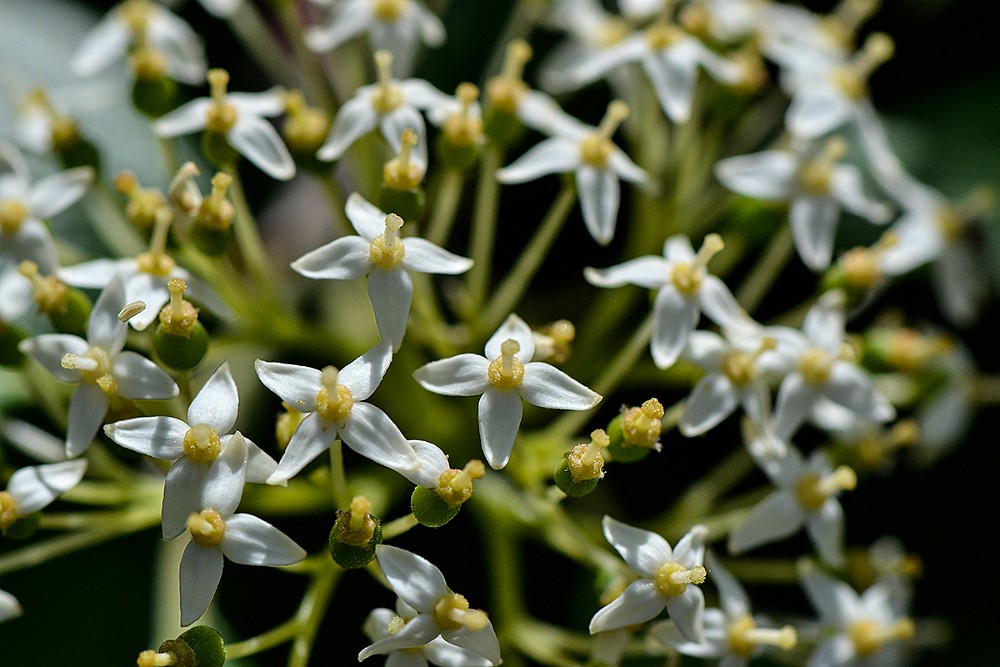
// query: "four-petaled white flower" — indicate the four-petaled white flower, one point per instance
point(239, 117)
point(816, 187)
point(391, 25)
point(100, 365)
point(22, 205)
point(379, 253)
point(685, 291)
point(195, 447)
point(333, 400)
point(731, 632)
point(669, 578)
point(32, 488)
point(382, 623)
point(438, 611)
point(806, 495)
point(504, 377)
point(216, 532)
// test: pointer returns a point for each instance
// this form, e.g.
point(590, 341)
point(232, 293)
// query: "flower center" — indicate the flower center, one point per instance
point(816, 175)
point(202, 443)
point(641, 427)
point(672, 578)
point(221, 116)
point(869, 635)
point(333, 401)
point(852, 77)
point(741, 367)
point(688, 276)
point(815, 366)
point(401, 173)
point(387, 251)
point(464, 128)
point(611, 31)
point(13, 213)
point(596, 147)
point(585, 461)
point(356, 526)
point(505, 91)
point(8, 510)
point(207, 527)
point(388, 11)
point(874, 450)
point(843, 22)
point(506, 371)
point(812, 490)
point(455, 486)
point(156, 261)
point(388, 96)
point(744, 636)
point(94, 367)
point(49, 292)
point(451, 612)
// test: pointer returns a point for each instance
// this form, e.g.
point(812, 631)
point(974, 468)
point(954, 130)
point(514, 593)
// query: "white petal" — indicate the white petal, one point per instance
point(649, 271)
point(310, 439)
point(640, 602)
point(851, 387)
point(546, 386)
point(774, 518)
point(816, 110)
point(481, 642)
point(345, 258)
point(223, 485)
point(49, 349)
point(850, 192)
point(138, 377)
point(9, 607)
point(440, 652)
point(461, 375)
point(416, 632)
point(433, 462)
point(249, 540)
point(371, 433)
point(32, 241)
point(363, 375)
point(180, 44)
point(368, 220)
point(105, 43)
point(391, 292)
point(643, 550)
point(104, 329)
point(690, 549)
point(34, 487)
point(96, 273)
point(201, 571)
point(732, 596)
point(677, 248)
point(836, 601)
point(516, 328)
point(825, 322)
point(668, 634)
point(767, 175)
point(267, 103)
point(673, 81)
point(350, 21)
point(159, 437)
point(687, 611)
point(355, 119)
point(258, 141)
point(425, 257)
point(706, 349)
point(795, 399)
point(552, 156)
point(826, 530)
point(814, 226)
point(833, 652)
point(499, 420)
point(674, 318)
point(414, 579)
point(627, 170)
point(958, 283)
point(598, 63)
point(431, 28)
point(217, 403)
point(87, 409)
point(260, 465)
point(55, 193)
point(185, 119)
point(182, 495)
point(152, 291)
point(600, 194)
point(295, 385)
point(712, 400)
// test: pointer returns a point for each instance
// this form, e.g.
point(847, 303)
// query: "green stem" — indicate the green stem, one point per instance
point(766, 272)
point(248, 237)
point(446, 201)
point(338, 477)
point(266, 640)
point(310, 614)
point(310, 73)
point(399, 526)
point(261, 44)
point(484, 226)
point(516, 283)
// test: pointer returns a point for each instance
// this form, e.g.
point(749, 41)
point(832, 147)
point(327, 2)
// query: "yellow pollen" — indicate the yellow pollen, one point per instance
point(387, 251)
point(333, 401)
point(388, 96)
point(744, 636)
point(13, 213)
point(505, 91)
point(585, 460)
point(506, 371)
point(207, 527)
point(394, 625)
point(49, 292)
point(596, 148)
point(221, 115)
point(455, 486)
point(202, 443)
point(672, 578)
point(8, 510)
point(688, 276)
point(812, 490)
point(869, 636)
point(451, 612)
point(641, 427)
point(94, 364)
point(400, 173)
point(216, 212)
point(150, 658)
point(815, 177)
point(852, 78)
point(388, 11)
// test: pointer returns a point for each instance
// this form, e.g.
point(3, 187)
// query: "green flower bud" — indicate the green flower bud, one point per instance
point(407, 204)
point(217, 150)
point(201, 646)
point(180, 341)
point(355, 535)
point(564, 480)
point(430, 509)
point(72, 317)
point(154, 97)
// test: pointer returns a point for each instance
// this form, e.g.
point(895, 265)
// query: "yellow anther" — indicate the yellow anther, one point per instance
point(869, 635)
point(360, 507)
point(183, 193)
point(150, 658)
point(207, 527)
point(812, 490)
point(401, 173)
point(852, 78)
point(506, 371)
point(505, 91)
point(455, 486)
point(452, 613)
point(815, 365)
point(672, 578)
point(554, 341)
point(387, 250)
point(463, 128)
point(131, 310)
point(875, 450)
point(49, 292)
point(596, 148)
point(202, 443)
point(107, 384)
point(94, 364)
point(585, 460)
point(136, 14)
point(744, 636)
point(815, 177)
point(286, 424)
point(221, 116)
point(13, 213)
point(333, 401)
point(388, 11)
point(741, 367)
point(687, 276)
point(388, 96)
point(394, 625)
point(9, 513)
point(641, 427)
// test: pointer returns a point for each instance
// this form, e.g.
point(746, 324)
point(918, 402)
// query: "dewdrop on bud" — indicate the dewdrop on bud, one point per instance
point(180, 341)
point(201, 646)
point(435, 507)
point(354, 535)
point(580, 469)
point(636, 431)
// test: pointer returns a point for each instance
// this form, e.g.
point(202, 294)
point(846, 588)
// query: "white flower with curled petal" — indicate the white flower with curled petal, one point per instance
point(816, 186)
point(383, 623)
point(194, 446)
point(239, 117)
point(439, 612)
point(396, 26)
point(731, 632)
point(142, 22)
point(685, 290)
point(334, 401)
point(23, 205)
point(505, 377)
point(390, 105)
point(33, 488)
point(379, 253)
point(806, 496)
point(595, 160)
point(103, 369)
point(669, 578)
point(216, 532)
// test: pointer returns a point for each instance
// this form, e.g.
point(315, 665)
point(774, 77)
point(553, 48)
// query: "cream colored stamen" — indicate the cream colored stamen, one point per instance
point(150, 658)
point(846, 18)
point(463, 128)
point(202, 443)
point(401, 173)
point(360, 507)
point(812, 490)
point(506, 371)
point(452, 613)
point(387, 250)
point(505, 91)
point(221, 115)
point(216, 212)
point(741, 367)
point(207, 527)
point(156, 261)
point(869, 635)
point(816, 175)
point(394, 625)
point(641, 427)
point(49, 292)
point(596, 148)
point(333, 401)
point(387, 96)
point(94, 367)
point(687, 276)
point(455, 486)
point(861, 265)
point(852, 78)
point(744, 636)
point(672, 578)
point(586, 461)
point(131, 310)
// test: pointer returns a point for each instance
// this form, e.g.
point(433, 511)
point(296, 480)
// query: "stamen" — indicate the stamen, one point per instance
point(183, 193)
point(150, 658)
point(207, 527)
point(356, 526)
point(869, 635)
point(221, 115)
point(9, 512)
point(329, 376)
point(812, 491)
point(452, 613)
point(861, 265)
point(388, 96)
point(202, 443)
point(178, 317)
point(463, 128)
point(394, 625)
point(853, 76)
point(596, 147)
point(13, 213)
point(156, 261)
point(672, 578)
point(741, 367)
point(506, 371)
point(505, 91)
point(216, 212)
point(360, 507)
point(687, 276)
point(641, 427)
point(455, 486)
point(71, 361)
point(131, 310)
point(333, 401)
point(586, 461)
point(744, 636)
point(49, 293)
point(518, 54)
point(218, 81)
point(400, 173)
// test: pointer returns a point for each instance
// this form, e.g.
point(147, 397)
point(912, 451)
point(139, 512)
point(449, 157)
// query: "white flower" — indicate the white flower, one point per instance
point(136, 22)
point(732, 632)
point(825, 367)
point(195, 447)
point(100, 365)
point(33, 488)
point(391, 25)
point(505, 377)
point(379, 253)
point(806, 495)
point(22, 205)
point(685, 291)
point(383, 623)
point(816, 187)
point(668, 578)
point(216, 532)
point(593, 157)
point(333, 401)
point(858, 629)
point(9, 607)
point(439, 612)
point(17, 295)
point(240, 118)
